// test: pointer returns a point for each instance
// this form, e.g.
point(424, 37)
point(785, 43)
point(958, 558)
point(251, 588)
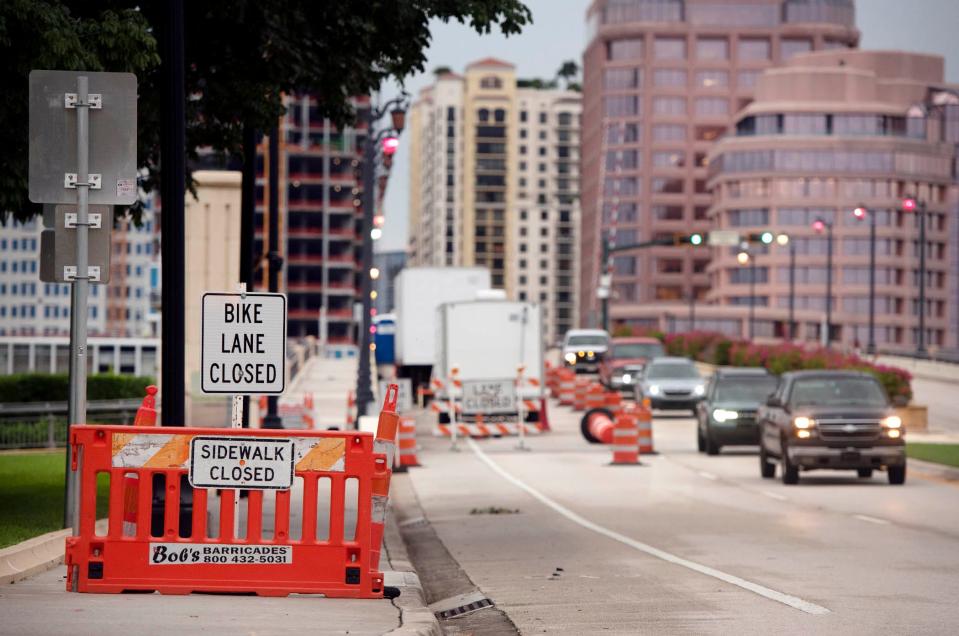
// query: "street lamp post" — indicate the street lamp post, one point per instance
point(745, 257)
point(397, 109)
point(861, 213)
point(820, 224)
point(910, 204)
point(792, 292)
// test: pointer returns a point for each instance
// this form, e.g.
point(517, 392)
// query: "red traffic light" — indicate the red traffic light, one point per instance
point(819, 225)
point(909, 204)
point(860, 213)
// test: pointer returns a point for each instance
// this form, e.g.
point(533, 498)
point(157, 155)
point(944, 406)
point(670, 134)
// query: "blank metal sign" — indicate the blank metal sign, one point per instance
point(244, 343)
point(53, 137)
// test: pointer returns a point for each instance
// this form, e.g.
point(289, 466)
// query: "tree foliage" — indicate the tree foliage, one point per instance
point(241, 57)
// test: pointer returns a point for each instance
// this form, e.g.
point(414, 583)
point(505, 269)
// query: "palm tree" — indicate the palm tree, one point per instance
point(569, 70)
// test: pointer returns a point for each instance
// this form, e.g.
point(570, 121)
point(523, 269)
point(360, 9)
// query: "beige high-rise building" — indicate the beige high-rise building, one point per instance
point(494, 182)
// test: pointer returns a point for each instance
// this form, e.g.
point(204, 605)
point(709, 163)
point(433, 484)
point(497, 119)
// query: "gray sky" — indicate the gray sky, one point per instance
point(558, 33)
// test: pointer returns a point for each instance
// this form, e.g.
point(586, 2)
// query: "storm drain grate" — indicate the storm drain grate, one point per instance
point(463, 610)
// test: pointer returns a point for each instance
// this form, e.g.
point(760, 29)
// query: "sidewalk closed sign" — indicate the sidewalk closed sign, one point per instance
point(488, 396)
point(244, 343)
point(249, 463)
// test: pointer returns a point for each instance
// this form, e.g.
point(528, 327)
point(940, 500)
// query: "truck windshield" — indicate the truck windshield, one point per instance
point(837, 392)
point(677, 371)
point(586, 341)
point(638, 350)
point(746, 389)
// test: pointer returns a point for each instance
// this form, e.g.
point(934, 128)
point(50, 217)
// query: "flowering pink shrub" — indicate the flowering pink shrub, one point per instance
point(716, 348)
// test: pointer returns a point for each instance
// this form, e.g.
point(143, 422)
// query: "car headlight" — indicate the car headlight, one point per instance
point(570, 357)
point(591, 354)
point(581, 354)
point(722, 415)
point(804, 423)
point(653, 389)
point(627, 378)
point(893, 421)
point(699, 389)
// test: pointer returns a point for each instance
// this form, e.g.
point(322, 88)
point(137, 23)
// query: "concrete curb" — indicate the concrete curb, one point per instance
point(416, 618)
point(32, 556)
point(36, 555)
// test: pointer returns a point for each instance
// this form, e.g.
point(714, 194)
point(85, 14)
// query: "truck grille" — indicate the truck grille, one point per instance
point(836, 430)
point(677, 393)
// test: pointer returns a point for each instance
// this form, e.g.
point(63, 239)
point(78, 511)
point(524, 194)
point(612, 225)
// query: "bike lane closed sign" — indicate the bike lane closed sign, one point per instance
point(243, 343)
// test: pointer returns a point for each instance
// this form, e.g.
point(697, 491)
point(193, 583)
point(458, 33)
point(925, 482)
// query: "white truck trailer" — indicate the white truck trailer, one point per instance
point(486, 340)
point(419, 292)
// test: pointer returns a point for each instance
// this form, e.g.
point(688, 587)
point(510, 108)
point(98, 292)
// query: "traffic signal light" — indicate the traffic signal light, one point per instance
point(696, 239)
point(819, 225)
point(909, 204)
point(767, 238)
point(860, 213)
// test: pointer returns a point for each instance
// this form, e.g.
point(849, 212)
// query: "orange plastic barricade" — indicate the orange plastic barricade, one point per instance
point(579, 394)
point(216, 458)
point(644, 420)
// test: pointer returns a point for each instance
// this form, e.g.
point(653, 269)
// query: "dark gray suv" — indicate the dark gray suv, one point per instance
point(727, 417)
point(830, 419)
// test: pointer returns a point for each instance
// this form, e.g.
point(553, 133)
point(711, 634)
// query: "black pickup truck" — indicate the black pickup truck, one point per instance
point(830, 419)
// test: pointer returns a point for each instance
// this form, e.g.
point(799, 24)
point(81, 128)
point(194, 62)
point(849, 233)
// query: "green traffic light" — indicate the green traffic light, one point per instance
point(696, 239)
point(766, 237)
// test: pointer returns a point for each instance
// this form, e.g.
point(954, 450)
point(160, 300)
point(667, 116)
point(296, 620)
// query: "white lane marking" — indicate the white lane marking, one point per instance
point(867, 518)
point(773, 595)
point(708, 476)
point(775, 495)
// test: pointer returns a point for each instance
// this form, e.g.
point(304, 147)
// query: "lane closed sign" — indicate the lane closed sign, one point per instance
point(248, 463)
point(244, 343)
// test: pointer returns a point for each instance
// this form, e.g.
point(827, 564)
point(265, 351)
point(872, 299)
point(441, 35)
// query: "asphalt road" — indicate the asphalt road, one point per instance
point(563, 542)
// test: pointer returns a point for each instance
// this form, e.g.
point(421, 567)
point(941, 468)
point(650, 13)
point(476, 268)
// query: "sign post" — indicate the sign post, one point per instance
point(243, 350)
point(62, 137)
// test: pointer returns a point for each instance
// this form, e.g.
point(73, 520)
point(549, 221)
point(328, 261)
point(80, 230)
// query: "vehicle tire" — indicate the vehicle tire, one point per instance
point(864, 473)
point(766, 468)
point(712, 448)
point(897, 475)
point(700, 441)
point(790, 473)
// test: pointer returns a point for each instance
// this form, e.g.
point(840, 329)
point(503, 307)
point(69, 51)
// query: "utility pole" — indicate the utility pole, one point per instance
point(274, 260)
point(247, 217)
point(172, 192)
point(792, 292)
point(921, 342)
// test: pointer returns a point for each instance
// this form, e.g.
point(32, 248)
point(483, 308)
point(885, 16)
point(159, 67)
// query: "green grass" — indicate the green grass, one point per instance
point(31, 495)
point(947, 454)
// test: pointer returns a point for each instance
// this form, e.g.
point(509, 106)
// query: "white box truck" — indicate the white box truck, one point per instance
point(486, 340)
point(419, 291)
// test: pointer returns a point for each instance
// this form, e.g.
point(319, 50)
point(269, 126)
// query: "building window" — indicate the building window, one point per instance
point(499, 115)
point(491, 81)
point(669, 105)
point(712, 49)
point(669, 77)
point(627, 49)
point(709, 133)
point(621, 78)
point(804, 124)
point(668, 185)
point(747, 79)
point(669, 48)
point(669, 159)
point(668, 212)
point(522, 116)
point(712, 79)
point(751, 49)
point(793, 46)
point(542, 118)
point(622, 105)
point(669, 132)
point(712, 106)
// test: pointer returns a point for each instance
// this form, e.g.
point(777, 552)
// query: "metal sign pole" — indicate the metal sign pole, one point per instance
point(81, 284)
